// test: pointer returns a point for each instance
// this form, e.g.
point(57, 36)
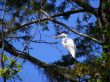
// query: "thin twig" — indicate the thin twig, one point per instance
point(42, 41)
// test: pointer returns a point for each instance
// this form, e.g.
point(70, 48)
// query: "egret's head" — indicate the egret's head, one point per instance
point(61, 35)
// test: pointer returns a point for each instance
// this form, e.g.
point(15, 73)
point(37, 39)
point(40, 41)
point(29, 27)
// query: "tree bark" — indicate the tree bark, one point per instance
point(104, 17)
point(107, 60)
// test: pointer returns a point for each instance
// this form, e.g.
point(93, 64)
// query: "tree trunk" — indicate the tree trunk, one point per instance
point(105, 16)
point(106, 50)
point(4, 79)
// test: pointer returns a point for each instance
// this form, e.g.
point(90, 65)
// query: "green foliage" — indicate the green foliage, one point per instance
point(49, 7)
point(11, 68)
point(17, 3)
point(106, 46)
point(107, 4)
point(93, 69)
point(5, 57)
point(36, 5)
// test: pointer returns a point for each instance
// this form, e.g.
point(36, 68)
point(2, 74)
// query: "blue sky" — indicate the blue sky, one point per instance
point(45, 52)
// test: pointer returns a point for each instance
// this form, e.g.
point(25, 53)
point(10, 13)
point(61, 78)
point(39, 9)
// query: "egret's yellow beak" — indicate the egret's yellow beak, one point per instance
point(56, 36)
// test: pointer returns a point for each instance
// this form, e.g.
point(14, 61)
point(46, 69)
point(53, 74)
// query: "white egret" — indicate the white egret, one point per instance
point(68, 43)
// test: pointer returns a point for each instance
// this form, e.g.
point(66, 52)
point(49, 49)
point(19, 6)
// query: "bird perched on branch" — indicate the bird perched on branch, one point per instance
point(68, 43)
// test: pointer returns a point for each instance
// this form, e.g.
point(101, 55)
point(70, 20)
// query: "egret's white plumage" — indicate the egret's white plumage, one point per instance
point(68, 43)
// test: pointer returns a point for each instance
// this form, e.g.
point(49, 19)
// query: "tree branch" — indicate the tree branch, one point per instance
point(35, 41)
point(41, 41)
point(76, 32)
point(15, 28)
point(9, 48)
point(101, 20)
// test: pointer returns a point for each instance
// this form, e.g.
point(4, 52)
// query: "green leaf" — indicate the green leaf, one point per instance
point(35, 4)
point(1, 71)
point(32, 11)
point(5, 70)
point(5, 57)
point(106, 46)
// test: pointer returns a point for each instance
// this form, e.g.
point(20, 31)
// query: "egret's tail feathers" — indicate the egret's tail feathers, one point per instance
point(72, 52)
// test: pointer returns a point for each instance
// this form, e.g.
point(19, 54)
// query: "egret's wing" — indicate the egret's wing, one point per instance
point(71, 47)
point(70, 43)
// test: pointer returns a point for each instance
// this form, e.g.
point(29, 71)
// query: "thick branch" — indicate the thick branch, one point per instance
point(43, 19)
point(61, 71)
point(101, 20)
point(9, 48)
point(69, 28)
